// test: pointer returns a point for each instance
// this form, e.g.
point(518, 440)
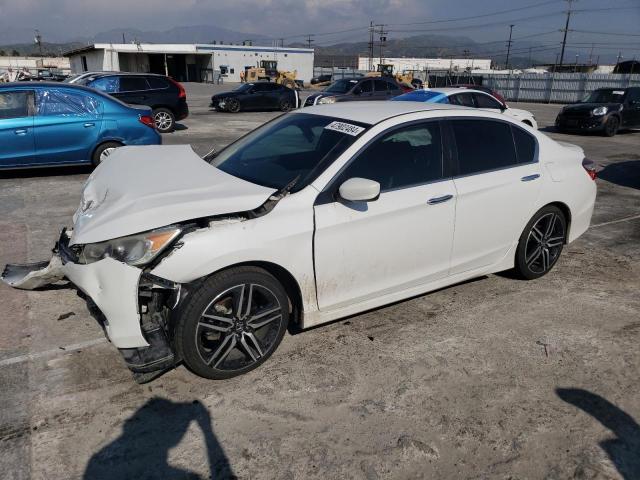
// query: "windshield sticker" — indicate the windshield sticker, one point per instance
point(347, 128)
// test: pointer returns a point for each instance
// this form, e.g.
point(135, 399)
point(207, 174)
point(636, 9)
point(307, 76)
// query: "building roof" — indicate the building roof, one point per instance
point(178, 48)
point(376, 111)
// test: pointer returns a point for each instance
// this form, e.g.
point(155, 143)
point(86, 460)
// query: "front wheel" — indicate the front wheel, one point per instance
point(541, 243)
point(285, 105)
point(232, 323)
point(164, 120)
point(611, 127)
point(233, 105)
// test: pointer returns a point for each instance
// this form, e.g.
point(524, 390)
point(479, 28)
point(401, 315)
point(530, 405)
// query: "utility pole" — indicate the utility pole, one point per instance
point(371, 32)
point(591, 54)
point(530, 64)
point(310, 40)
point(619, 57)
point(38, 40)
point(509, 46)
point(383, 41)
point(565, 30)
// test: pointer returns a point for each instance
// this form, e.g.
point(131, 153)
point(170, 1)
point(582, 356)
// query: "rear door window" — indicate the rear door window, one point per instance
point(380, 85)
point(60, 102)
point(525, 145)
point(483, 145)
point(16, 104)
point(133, 84)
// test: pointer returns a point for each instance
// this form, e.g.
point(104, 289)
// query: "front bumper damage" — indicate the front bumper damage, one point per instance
point(132, 306)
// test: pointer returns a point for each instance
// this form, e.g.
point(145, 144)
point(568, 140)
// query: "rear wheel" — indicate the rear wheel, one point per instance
point(103, 151)
point(285, 105)
point(164, 119)
point(541, 243)
point(611, 127)
point(232, 323)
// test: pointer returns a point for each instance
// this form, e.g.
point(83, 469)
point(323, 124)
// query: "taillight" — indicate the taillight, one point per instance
point(182, 93)
point(590, 167)
point(147, 120)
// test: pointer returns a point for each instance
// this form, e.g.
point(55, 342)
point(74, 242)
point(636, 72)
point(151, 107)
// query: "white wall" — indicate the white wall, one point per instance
point(33, 63)
point(427, 63)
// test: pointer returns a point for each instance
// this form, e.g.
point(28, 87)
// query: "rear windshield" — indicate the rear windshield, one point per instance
point(421, 96)
point(605, 95)
point(292, 149)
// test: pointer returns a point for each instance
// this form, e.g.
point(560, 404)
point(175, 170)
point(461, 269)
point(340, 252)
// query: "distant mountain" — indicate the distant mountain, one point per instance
point(188, 34)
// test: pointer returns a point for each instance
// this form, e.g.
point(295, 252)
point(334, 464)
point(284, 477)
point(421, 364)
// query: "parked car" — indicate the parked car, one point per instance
point(468, 98)
point(604, 110)
point(482, 88)
point(356, 89)
point(306, 220)
point(48, 124)
point(48, 75)
point(256, 96)
point(321, 79)
point(165, 96)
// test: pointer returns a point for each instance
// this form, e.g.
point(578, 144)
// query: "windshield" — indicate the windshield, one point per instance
point(244, 87)
point(422, 96)
point(604, 95)
point(341, 86)
point(292, 147)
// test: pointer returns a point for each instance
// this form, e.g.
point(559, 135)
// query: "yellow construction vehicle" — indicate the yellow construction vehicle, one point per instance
point(268, 70)
point(386, 70)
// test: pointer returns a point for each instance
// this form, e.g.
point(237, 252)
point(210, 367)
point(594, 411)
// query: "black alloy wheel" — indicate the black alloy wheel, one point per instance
point(285, 105)
point(541, 243)
point(232, 323)
point(232, 105)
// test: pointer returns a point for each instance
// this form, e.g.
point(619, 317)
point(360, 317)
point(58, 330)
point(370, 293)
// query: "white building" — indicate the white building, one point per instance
point(188, 62)
point(33, 63)
point(453, 64)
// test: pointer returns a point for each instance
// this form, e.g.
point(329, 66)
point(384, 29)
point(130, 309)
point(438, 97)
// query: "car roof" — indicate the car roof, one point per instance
point(375, 112)
point(451, 90)
point(33, 85)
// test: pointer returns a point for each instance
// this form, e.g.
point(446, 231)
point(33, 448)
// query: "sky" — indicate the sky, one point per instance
point(604, 24)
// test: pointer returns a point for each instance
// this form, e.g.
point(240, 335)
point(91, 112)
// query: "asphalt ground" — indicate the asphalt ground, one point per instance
point(493, 378)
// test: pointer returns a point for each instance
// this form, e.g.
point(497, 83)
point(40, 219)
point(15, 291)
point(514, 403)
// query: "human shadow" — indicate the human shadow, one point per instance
point(624, 449)
point(141, 451)
point(625, 174)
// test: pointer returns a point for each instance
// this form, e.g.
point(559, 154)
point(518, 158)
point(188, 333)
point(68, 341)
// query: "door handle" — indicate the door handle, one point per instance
point(89, 125)
point(20, 131)
point(442, 199)
point(528, 178)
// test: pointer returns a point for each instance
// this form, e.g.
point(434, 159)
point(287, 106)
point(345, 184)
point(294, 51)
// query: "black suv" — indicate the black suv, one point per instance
point(164, 95)
point(356, 89)
point(605, 110)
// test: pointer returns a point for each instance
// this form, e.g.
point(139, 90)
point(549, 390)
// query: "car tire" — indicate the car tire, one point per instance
point(103, 151)
point(164, 119)
point(611, 126)
point(285, 105)
point(232, 323)
point(232, 105)
point(541, 243)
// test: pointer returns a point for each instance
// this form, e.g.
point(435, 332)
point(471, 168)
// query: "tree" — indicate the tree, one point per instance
point(3, 53)
point(15, 53)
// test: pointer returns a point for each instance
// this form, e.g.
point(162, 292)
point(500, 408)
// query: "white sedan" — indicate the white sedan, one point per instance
point(468, 97)
point(316, 215)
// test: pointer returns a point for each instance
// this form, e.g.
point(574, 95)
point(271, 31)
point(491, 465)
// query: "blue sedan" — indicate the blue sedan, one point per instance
point(49, 124)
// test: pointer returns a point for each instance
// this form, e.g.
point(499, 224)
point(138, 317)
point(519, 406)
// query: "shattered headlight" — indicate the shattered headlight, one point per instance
point(133, 250)
point(325, 100)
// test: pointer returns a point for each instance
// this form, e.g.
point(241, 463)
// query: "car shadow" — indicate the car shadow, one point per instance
point(141, 451)
point(178, 127)
point(46, 171)
point(624, 449)
point(625, 174)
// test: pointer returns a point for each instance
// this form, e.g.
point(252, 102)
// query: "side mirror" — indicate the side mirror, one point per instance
point(359, 190)
point(357, 91)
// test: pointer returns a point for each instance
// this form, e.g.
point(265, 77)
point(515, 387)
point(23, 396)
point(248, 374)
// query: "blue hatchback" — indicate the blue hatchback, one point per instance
point(48, 124)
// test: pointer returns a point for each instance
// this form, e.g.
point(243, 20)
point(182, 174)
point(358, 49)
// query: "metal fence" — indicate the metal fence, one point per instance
point(553, 88)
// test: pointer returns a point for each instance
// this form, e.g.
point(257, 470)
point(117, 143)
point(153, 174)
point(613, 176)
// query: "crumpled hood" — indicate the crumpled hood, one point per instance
point(141, 188)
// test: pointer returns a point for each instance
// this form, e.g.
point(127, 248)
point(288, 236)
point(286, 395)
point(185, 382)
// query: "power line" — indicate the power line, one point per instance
point(608, 33)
